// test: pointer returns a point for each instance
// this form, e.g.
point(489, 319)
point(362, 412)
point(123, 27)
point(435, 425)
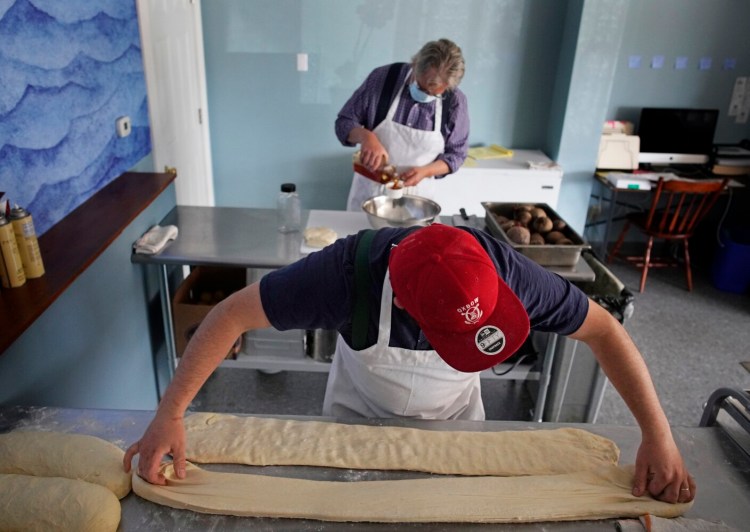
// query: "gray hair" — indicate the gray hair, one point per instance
point(444, 56)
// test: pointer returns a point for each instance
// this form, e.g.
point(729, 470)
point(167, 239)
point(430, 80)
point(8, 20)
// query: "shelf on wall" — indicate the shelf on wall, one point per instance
point(71, 245)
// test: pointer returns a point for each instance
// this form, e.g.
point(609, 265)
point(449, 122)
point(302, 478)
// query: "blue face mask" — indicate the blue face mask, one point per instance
point(420, 95)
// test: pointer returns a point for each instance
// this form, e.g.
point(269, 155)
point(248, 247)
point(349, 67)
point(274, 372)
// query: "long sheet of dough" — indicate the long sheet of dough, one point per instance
point(601, 494)
point(223, 438)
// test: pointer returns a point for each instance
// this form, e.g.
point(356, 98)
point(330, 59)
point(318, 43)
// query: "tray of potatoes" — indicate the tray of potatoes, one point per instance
point(535, 230)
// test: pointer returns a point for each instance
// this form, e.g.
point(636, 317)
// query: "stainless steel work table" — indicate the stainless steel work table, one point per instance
point(720, 467)
point(248, 238)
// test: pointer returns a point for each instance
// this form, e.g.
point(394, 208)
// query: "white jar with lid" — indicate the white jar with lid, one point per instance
point(288, 208)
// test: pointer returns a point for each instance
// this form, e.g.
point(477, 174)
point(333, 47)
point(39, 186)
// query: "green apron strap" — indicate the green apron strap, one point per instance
point(361, 317)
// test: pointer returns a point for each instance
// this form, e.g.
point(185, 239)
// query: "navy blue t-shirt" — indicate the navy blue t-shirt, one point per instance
point(317, 292)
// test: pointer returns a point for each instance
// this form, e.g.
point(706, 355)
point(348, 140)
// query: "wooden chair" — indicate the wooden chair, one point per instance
point(677, 207)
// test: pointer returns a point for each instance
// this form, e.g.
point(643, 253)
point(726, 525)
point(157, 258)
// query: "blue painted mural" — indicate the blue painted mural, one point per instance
point(68, 70)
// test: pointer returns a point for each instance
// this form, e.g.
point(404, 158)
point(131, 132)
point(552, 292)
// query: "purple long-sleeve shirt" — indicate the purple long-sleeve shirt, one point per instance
point(360, 109)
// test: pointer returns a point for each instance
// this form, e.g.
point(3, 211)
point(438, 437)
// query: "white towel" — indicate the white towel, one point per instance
point(154, 240)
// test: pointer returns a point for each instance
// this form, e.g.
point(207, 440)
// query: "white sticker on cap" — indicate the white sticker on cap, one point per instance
point(490, 340)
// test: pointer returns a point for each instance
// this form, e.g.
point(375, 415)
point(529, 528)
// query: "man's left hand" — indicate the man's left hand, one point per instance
point(413, 176)
point(660, 471)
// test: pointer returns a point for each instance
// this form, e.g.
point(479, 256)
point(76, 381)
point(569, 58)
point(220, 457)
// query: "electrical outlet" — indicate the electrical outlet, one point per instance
point(122, 125)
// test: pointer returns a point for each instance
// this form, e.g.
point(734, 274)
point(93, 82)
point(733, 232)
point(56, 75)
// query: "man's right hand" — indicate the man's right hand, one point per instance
point(372, 154)
point(164, 435)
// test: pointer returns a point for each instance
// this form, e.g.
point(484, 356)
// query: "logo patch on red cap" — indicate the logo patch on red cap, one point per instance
point(471, 312)
point(490, 340)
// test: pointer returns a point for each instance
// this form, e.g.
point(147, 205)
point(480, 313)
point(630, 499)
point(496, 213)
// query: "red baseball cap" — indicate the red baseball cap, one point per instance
point(447, 282)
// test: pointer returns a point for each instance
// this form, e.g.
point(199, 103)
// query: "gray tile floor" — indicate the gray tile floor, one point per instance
point(693, 343)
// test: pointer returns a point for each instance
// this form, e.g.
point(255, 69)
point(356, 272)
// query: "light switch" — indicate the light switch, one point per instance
point(301, 62)
point(680, 62)
point(122, 126)
point(634, 61)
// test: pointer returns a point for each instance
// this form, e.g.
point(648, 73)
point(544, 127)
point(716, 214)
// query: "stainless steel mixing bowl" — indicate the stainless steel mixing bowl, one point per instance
point(405, 211)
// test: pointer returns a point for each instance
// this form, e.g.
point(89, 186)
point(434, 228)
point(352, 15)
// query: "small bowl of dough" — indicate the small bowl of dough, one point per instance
point(406, 211)
point(319, 237)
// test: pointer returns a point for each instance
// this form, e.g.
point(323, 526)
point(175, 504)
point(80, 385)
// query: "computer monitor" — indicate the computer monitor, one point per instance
point(676, 136)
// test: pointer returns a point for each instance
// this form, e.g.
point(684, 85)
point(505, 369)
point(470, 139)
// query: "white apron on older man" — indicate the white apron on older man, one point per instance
point(407, 148)
point(385, 382)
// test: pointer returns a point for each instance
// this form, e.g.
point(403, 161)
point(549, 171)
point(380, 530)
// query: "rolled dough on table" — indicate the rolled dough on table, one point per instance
point(59, 481)
point(556, 475)
point(600, 494)
point(224, 438)
point(32, 503)
point(57, 454)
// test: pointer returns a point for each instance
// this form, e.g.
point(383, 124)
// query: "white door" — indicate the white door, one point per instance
point(172, 47)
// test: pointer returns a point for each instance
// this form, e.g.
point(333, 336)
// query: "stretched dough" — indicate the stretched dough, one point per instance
point(599, 494)
point(223, 438)
point(57, 454)
point(51, 503)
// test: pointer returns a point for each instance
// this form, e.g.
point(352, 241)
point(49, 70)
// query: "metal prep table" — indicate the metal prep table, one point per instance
point(721, 469)
point(248, 238)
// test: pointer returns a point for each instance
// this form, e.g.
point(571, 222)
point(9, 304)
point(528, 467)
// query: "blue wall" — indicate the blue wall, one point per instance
point(93, 348)
point(69, 70)
point(694, 29)
point(271, 124)
point(540, 74)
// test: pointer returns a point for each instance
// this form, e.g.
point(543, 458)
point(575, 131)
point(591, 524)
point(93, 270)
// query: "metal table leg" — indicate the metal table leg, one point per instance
point(545, 377)
point(608, 224)
point(166, 314)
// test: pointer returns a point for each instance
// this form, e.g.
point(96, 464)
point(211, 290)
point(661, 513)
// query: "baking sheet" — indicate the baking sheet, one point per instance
point(343, 222)
point(565, 256)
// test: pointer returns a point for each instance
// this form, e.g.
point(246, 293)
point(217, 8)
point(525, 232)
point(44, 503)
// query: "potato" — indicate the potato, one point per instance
point(523, 216)
point(519, 235)
point(554, 236)
point(508, 224)
point(536, 239)
point(538, 212)
point(542, 224)
point(559, 225)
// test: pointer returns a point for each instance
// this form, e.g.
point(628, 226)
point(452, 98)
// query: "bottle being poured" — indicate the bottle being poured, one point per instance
point(394, 186)
point(386, 175)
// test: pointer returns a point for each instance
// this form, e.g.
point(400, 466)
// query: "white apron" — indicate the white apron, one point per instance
point(407, 147)
point(387, 382)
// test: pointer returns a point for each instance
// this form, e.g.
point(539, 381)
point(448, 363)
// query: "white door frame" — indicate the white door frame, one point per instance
point(196, 186)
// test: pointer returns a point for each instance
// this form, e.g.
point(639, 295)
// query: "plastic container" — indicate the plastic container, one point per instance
point(731, 267)
point(289, 210)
